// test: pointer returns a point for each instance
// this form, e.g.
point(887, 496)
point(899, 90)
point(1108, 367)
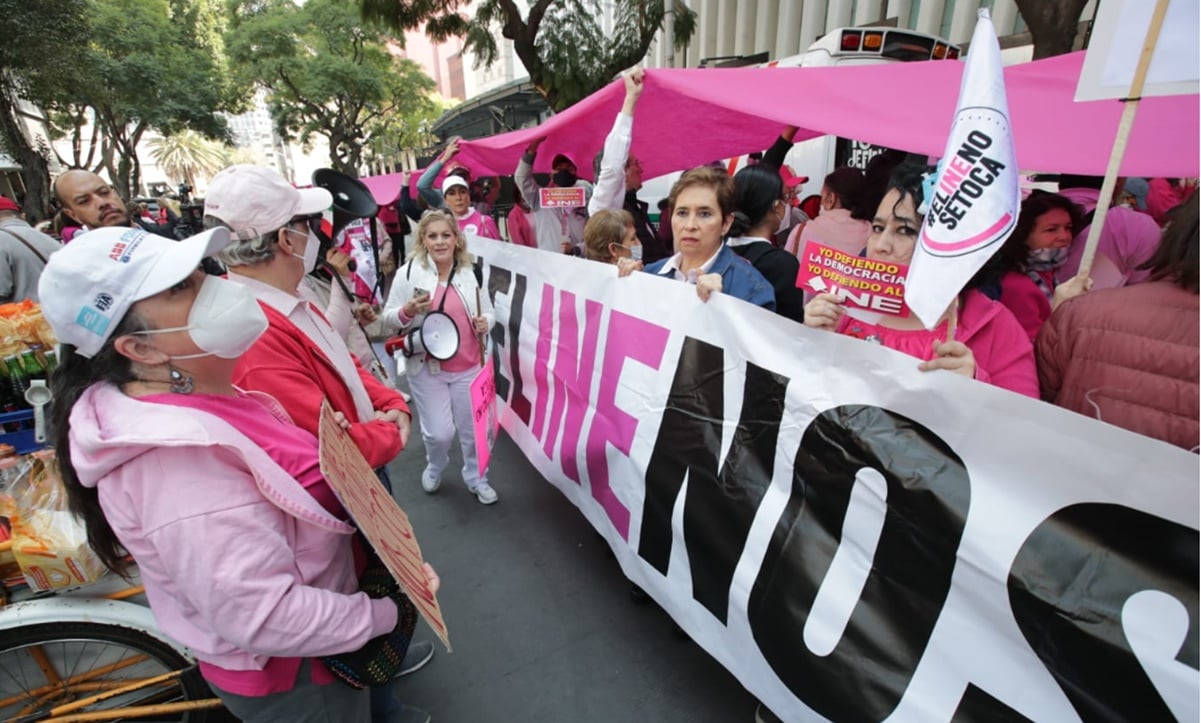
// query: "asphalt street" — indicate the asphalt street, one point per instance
point(540, 617)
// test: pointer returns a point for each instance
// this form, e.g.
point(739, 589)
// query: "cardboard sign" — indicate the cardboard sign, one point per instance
point(561, 197)
point(483, 411)
point(378, 517)
point(877, 286)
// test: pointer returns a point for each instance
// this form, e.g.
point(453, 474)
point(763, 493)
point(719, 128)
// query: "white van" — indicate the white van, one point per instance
point(816, 157)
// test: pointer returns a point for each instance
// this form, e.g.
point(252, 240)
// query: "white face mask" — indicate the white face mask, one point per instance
point(1051, 258)
point(785, 219)
point(225, 320)
point(635, 252)
point(309, 259)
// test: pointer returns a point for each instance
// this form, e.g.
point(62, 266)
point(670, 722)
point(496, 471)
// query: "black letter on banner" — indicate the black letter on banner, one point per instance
point(1067, 587)
point(499, 280)
point(718, 509)
point(517, 401)
point(865, 676)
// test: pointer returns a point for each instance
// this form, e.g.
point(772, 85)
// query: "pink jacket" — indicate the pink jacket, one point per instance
point(1128, 357)
point(833, 227)
point(240, 563)
point(1030, 306)
point(1004, 355)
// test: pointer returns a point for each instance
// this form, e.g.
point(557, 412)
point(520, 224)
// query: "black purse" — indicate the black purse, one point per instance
point(380, 660)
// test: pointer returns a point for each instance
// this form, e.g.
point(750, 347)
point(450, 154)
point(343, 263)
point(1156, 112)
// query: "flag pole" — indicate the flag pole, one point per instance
point(1119, 144)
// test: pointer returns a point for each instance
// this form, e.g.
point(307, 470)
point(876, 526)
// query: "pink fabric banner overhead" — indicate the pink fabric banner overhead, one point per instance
point(687, 117)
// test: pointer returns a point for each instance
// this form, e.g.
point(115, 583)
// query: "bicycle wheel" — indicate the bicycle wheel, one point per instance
point(49, 665)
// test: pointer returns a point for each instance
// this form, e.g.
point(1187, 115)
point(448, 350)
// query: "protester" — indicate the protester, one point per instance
point(557, 229)
point(300, 360)
point(484, 192)
point(760, 204)
point(795, 218)
point(1165, 194)
point(445, 160)
point(842, 222)
point(89, 200)
point(65, 227)
point(440, 278)
point(989, 343)
point(23, 254)
point(702, 211)
point(246, 554)
point(518, 222)
point(1128, 238)
point(1130, 356)
point(619, 175)
point(609, 237)
point(458, 202)
point(1036, 248)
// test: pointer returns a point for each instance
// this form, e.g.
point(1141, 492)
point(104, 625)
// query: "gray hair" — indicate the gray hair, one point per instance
point(244, 252)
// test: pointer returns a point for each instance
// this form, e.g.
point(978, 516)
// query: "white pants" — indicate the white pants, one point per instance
point(443, 403)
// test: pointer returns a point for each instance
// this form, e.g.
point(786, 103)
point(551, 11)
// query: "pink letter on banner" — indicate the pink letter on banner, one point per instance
point(572, 378)
point(628, 338)
point(546, 330)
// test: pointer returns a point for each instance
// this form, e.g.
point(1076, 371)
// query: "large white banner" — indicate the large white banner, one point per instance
point(852, 538)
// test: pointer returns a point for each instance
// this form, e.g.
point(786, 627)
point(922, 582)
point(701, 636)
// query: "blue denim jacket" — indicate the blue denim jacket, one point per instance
point(738, 278)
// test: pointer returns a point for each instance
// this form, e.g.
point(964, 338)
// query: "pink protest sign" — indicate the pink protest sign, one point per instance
point(877, 286)
point(561, 197)
point(378, 517)
point(483, 411)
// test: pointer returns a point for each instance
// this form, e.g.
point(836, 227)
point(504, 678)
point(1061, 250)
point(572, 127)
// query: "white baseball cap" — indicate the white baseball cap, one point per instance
point(88, 285)
point(253, 200)
point(451, 181)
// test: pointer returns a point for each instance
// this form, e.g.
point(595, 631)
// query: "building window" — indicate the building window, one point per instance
point(948, 10)
point(914, 8)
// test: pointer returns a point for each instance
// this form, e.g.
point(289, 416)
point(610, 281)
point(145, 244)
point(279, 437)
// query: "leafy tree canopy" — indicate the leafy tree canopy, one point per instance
point(329, 74)
point(561, 43)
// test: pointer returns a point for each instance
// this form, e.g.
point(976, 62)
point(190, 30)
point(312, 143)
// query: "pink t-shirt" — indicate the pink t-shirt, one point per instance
point(295, 450)
point(468, 355)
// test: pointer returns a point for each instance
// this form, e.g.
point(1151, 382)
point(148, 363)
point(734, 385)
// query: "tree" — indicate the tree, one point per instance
point(328, 74)
point(185, 155)
point(40, 44)
point(1052, 24)
point(561, 43)
point(146, 69)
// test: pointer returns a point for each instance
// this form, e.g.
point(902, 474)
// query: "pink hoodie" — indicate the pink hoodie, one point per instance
point(240, 563)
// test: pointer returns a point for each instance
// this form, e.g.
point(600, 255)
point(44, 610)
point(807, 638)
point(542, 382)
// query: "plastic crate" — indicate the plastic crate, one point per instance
point(22, 438)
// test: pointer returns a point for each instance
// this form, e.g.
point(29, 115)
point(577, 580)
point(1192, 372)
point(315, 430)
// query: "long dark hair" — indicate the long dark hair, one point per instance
point(1013, 253)
point(756, 190)
point(1177, 257)
point(907, 180)
point(848, 186)
point(71, 378)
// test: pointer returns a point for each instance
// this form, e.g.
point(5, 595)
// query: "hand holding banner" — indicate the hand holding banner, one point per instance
point(975, 201)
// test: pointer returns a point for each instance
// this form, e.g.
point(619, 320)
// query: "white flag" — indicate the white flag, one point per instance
point(975, 201)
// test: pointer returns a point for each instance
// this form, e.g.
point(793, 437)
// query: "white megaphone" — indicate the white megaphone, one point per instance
point(436, 336)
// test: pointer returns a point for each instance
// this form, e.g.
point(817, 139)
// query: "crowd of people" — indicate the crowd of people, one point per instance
point(187, 404)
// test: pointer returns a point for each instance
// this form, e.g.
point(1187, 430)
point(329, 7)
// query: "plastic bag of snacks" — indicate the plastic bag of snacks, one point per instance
point(49, 543)
point(21, 325)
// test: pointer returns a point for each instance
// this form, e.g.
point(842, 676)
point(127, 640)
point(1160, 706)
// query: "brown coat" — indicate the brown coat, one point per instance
point(1129, 357)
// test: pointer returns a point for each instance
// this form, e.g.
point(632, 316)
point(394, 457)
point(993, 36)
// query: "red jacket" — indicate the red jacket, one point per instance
point(286, 364)
point(1128, 357)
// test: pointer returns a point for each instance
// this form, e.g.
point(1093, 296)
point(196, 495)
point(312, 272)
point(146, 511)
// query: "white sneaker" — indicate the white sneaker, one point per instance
point(485, 494)
point(429, 482)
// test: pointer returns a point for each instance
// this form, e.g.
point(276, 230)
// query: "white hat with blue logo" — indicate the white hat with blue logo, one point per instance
point(88, 285)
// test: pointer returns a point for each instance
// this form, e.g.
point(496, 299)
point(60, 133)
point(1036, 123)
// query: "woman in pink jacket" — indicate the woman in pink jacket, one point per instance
point(1038, 246)
point(246, 555)
point(989, 343)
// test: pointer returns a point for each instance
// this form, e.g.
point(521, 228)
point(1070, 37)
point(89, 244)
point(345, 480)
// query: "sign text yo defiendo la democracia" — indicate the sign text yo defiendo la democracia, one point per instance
point(966, 176)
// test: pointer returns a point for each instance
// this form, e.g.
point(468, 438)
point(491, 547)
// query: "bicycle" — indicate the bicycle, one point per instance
point(91, 654)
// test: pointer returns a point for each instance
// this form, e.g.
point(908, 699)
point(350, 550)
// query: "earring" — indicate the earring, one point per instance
point(180, 382)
